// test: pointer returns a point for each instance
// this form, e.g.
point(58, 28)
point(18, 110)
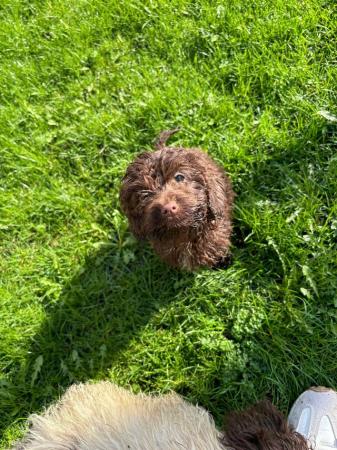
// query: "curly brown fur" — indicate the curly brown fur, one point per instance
point(261, 427)
point(181, 201)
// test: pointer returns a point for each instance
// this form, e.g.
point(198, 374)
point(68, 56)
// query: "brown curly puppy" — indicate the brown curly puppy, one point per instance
point(181, 201)
point(103, 416)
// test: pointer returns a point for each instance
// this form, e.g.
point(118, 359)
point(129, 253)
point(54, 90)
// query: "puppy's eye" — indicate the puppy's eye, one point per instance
point(146, 194)
point(179, 177)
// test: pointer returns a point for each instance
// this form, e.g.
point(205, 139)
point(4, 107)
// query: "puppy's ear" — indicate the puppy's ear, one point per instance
point(136, 225)
point(137, 181)
point(219, 195)
point(219, 191)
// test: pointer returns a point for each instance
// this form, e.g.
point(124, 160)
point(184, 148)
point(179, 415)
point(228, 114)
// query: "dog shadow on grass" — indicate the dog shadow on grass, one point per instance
point(104, 306)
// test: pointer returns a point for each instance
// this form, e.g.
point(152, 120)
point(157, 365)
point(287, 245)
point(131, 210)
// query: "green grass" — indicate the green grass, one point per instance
point(84, 87)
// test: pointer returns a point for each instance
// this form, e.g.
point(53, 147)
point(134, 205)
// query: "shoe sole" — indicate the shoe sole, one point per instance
point(314, 415)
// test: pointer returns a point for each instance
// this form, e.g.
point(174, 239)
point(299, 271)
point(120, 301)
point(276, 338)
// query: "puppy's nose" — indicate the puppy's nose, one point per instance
point(170, 208)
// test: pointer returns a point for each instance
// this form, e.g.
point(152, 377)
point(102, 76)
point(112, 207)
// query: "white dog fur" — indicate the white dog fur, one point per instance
point(103, 416)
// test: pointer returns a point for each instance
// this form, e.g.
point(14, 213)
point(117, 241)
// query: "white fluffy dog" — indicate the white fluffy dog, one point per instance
point(105, 417)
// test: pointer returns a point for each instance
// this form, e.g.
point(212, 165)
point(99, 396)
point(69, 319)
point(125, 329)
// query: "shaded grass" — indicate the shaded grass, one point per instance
point(84, 87)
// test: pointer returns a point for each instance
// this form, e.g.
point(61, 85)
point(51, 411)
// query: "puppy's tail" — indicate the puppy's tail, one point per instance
point(261, 427)
point(164, 136)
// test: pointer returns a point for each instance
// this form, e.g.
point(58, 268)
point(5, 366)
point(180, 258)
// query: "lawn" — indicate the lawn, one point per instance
point(87, 85)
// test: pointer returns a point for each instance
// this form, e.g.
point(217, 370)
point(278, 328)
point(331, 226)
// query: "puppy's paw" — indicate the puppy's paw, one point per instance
point(223, 262)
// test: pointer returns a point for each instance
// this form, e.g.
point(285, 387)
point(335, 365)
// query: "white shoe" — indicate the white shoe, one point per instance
point(314, 415)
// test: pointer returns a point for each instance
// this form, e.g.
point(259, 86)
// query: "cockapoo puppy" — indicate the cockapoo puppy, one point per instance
point(105, 417)
point(181, 201)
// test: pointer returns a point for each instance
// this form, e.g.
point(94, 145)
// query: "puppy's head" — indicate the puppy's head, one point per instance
point(172, 189)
